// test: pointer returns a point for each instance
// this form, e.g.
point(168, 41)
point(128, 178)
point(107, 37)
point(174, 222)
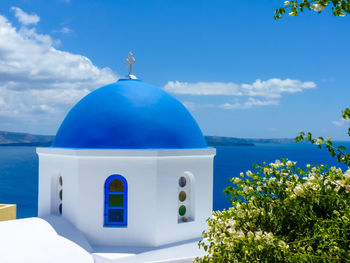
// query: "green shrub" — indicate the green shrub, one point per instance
point(281, 213)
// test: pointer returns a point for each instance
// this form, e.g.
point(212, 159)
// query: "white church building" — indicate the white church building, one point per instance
point(130, 173)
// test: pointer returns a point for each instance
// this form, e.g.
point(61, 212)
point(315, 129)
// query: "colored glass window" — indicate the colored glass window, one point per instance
point(116, 200)
point(182, 196)
point(116, 215)
point(182, 210)
point(116, 193)
point(116, 186)
point(182, 181)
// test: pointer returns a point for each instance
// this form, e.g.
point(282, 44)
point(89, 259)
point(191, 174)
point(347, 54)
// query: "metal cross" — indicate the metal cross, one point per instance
point(130, 61)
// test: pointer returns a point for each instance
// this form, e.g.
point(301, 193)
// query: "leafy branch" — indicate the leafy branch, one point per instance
point(338, 151)
point(339, 7)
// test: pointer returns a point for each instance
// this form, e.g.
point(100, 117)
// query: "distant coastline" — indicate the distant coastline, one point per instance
point(24, 139)
point(27, 139)
point(232, 141)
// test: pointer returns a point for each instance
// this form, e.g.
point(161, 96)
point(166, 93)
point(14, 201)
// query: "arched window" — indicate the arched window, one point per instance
point(116, 201)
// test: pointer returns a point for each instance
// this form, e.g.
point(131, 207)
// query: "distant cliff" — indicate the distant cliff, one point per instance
point(26, 139)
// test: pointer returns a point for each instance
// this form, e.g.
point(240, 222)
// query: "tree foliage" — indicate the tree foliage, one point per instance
point(339, 7)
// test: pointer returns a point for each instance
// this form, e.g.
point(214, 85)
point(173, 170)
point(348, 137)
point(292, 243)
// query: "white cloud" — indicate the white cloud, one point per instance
point(63, 30)
point(203, 88)
point(250, 103)
point(25, 18)
point(259, 93)
point(341, 122)
point(192, 105)
point(36, 78)
point(271, 88)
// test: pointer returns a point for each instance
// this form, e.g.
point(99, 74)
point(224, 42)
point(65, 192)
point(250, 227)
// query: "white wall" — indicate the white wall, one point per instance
point(140, 175)
point(152, 178)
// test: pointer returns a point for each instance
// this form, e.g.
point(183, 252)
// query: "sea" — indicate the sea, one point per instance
point(19, 169)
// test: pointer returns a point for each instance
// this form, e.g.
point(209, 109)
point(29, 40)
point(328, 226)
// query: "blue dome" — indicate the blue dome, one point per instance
point(129, 114)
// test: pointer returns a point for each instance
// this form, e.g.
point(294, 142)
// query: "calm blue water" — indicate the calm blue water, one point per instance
point(19, 169)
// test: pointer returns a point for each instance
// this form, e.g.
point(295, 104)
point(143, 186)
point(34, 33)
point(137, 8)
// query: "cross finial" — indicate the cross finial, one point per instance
point(130, 61)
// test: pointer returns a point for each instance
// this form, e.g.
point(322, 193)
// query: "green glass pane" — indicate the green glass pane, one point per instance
point(116, 200)
point(60, 194)
point(182, 210)
point(116, 186)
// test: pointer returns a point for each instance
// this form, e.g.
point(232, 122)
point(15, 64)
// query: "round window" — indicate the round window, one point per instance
point(182, 196)
point(182, 181)
point(60, 180)
point(182, 210)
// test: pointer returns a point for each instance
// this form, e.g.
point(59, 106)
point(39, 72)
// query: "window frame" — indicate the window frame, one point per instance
point(107, 193)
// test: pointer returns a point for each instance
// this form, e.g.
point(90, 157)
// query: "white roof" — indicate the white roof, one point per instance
point(33, 240)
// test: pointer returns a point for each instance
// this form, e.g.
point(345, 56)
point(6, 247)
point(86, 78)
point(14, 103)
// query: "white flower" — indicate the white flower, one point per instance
point(319, 141)
point(237, 180)
point(258, 188)
point(240, 234)
point(293, 14)
point(249, 173)
point(250, 234)
point(267, 171)
point(282, 244)
point(317, 7)
point(289, 164)
point(287, 2)
point(347, 173)
point(347, 188)
point(299, 191)
point(269, 238)
point(241, 174)
point(272, 179)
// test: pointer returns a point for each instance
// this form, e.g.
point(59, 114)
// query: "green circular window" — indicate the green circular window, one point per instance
point(182, 181)
point(182, 210)
point(60, 194)
point(182, 196)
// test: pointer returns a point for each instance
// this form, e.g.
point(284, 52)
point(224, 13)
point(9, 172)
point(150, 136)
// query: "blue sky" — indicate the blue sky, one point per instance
point(239, 72)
